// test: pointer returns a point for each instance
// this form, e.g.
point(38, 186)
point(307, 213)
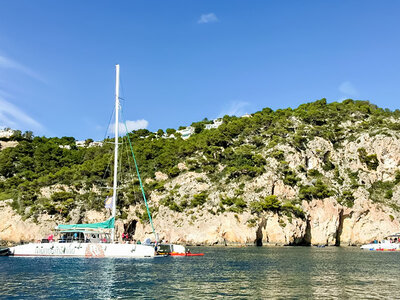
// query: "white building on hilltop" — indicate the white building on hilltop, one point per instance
point(187, 132)
point(246, 116)
point(6, 133)
point(85, 144)
point(216, 123)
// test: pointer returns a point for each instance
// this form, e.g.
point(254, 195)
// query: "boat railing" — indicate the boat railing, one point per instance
point(73, 240)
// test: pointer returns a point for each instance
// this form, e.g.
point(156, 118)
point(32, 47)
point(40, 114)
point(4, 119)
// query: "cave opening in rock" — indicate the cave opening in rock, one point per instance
point(259, 233)
point(130, 227)
point(307, 236)
point(339, 229)
point(259, 242)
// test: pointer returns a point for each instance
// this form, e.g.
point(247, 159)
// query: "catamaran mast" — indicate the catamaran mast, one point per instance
point(114, 202)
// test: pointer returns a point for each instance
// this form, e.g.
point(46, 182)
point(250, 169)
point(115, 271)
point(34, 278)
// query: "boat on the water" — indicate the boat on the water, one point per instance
point(4, 251)
point(89, 240)
point(98, 239)
point(389, 243)
point(175, 250)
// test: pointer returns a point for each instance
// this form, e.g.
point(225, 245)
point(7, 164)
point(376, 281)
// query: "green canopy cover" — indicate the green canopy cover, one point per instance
point(102, 225)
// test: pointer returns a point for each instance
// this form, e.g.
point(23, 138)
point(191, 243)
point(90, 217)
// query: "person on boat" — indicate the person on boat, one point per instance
point(50, 238)
point(126, 237)
point(63, 238)
point(123, 237)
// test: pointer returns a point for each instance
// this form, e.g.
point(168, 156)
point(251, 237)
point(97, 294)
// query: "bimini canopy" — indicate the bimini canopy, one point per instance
point(102, 225)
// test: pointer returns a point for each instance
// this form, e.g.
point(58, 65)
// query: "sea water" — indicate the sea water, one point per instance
point(224, 272)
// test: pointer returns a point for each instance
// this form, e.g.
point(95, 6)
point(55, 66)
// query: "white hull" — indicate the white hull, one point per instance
point(83, 250)
point(383, 246)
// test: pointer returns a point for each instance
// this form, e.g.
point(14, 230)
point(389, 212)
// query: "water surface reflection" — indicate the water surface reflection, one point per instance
point(238, 273)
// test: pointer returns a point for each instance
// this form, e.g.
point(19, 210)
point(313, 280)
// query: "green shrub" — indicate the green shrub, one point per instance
point(251, 222)
point(381, 191)
point(278, 155)
point(5, 196)
point(173, 172)
point(289, 208)
point(269, 203)
point(347, 199)
point(199, 199)
point(314, 173)
point(353, 176)
point(370, 160)
point(290, 177)
point(316, 191)
point(328, 166)
point(389, 194)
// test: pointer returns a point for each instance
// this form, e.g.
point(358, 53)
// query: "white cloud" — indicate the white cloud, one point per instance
point(130, 125)
point(208, 18)
point(7, 63)
point(237, 108)
point(12, 116)
point(348, 88)
point(138, 124)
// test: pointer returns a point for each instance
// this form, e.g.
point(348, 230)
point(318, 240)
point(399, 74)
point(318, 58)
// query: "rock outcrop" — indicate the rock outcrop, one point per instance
point(327, 223)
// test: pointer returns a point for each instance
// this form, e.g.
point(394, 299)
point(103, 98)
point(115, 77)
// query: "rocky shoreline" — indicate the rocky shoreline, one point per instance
point(327, 223)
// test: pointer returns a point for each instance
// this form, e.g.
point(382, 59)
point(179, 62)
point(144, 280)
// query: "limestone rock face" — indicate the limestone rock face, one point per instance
point(200, 230)
point(365, 223)
point(182, 167)
point(14, 229)
point(8, 144)
point(161, 176)
point(279, 230)
point(323, 221)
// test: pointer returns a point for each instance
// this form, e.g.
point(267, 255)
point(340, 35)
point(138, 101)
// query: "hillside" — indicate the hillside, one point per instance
point(319, 174)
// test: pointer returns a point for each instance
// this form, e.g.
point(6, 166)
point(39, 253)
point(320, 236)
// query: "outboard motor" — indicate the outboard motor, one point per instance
point(5, 252)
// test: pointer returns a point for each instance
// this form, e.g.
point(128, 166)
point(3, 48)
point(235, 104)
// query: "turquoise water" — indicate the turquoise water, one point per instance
point(241, 273)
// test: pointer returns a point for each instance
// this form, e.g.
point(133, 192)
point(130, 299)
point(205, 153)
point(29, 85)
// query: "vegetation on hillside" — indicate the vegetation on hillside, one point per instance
point(239, 150)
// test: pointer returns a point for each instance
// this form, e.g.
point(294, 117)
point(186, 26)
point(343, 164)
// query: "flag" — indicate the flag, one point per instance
point(108, 203)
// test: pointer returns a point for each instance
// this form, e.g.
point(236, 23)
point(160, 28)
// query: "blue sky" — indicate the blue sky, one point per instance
point(182, 61)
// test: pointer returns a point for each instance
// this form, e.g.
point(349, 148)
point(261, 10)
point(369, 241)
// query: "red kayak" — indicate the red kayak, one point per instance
point(186, 254)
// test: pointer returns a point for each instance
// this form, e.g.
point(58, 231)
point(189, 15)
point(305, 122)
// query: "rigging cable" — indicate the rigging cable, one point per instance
point(140, 182)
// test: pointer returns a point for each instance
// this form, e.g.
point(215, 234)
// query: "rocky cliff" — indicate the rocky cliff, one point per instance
point(322, 174)
point(325, 221)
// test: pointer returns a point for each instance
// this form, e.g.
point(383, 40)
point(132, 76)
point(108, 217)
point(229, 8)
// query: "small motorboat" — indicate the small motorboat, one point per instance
point(186, 254)
point(5, 252)
point(389, 243)
point(175, 250)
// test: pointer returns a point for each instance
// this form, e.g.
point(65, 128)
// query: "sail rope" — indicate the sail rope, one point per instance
point(140, 181)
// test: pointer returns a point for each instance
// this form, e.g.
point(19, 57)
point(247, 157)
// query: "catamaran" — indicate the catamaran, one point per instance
point(89, 240)
point(98, 239)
